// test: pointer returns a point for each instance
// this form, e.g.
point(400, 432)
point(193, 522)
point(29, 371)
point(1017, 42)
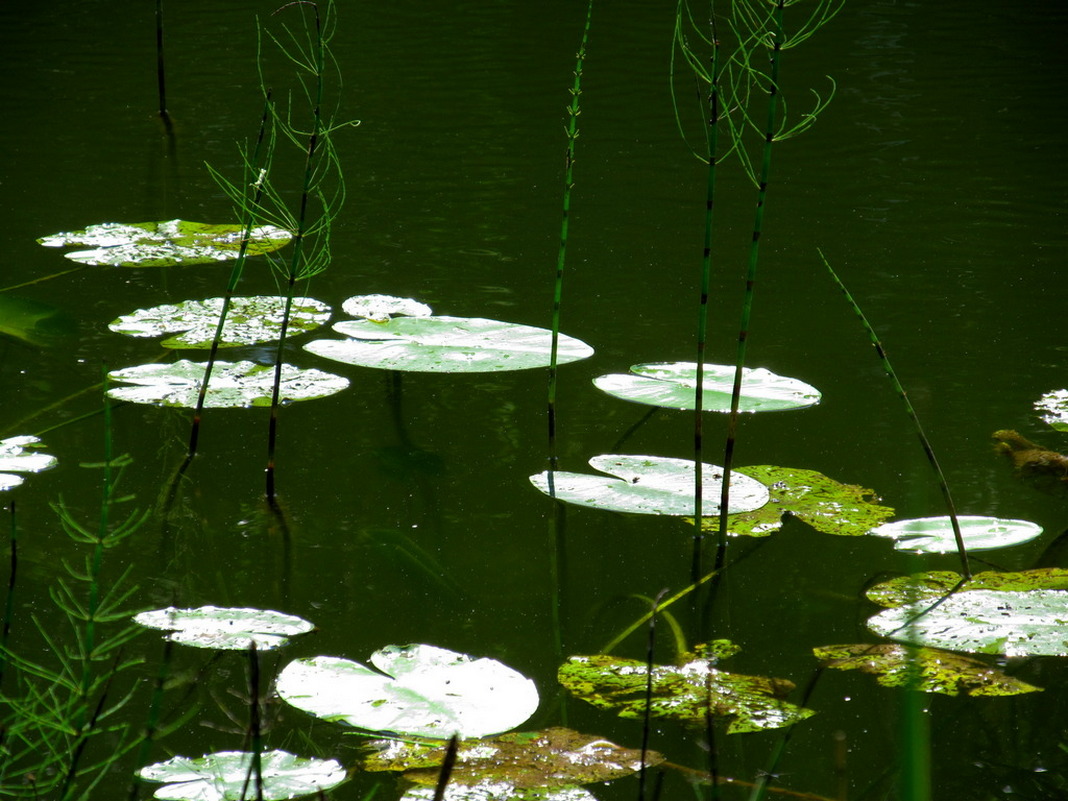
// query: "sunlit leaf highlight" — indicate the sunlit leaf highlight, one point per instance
point(1053, 408)
point(22, 455)
point(225, 628)
point(935, 534)
point(226, 776)
point(379, 308)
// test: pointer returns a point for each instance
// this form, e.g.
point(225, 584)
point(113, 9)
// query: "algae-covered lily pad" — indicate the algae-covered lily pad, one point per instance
point(1008, 622)
point(929, 670)
point(928, 587)
point(226, 776)
point(233, 385)
point(556, 757)
point(21, 455)
point(1054, 408)
point(935, 534)
point(685, 692)
point(380, 308)
point(446, 345)
point(650, 485)
point(225, 628)
point(497, 791)
point(821, 502)
point(421, 690)
point(249, 321)
point(674, 386)
point(164, 244)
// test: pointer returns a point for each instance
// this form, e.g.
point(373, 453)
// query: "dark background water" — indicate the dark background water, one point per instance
point(935, 183)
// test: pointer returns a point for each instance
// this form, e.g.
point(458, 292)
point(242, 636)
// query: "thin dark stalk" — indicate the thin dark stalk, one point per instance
point(447, 765)
point(9, 600)
point(650, 659)
point(154, 711)
point(255, 725)
point(925, 443)
point(161, 71)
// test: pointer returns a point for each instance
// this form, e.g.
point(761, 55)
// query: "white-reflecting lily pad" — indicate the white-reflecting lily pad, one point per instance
point(249, 321)
point(380, 308)
point(234, 385)
point(1008, 622)
point(651, 485)
point(490, 790)
point(164, 244)
point(224, 776)
point(421, 690)
point(20, 455)
point(935, 534)
point(1053, 407)
point(674, 386)
point(446, 345)
point(225, 628)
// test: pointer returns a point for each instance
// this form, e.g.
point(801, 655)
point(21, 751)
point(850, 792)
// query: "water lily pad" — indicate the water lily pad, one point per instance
point(685, 692)
point(935, 534)
point(1007, 622)
point(674, 386)
point(651, 485)
point(845, 510)
point(421, 690)
point(234, 385)
point(225, 776)
point(249, 321)
point(555, 758)
point(225, 628)
point(20, 455)
point(445, 345)
point(498, 791)
point(928, 587)
point(380, 308)
point(929, 670)
point(164, 244)
point(1054, 408)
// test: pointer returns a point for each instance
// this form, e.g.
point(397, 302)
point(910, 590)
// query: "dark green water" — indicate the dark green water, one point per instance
point(935, 183)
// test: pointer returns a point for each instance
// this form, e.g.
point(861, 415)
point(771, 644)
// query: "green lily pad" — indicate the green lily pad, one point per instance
point(674, 386)
point(379, 308)
point(928, 587)
point(1007, 622)
point(1054, 408)
point(421, 690)
point(225, 628)
point(20, 455)
point(249, 321)
point(554, 758)
point(225, 776)
point(498, 791)
point(164, 244)
point(234, 385)
point(845, 510)
point(935, 534)
point(685, 692)
point(446, 345)
point(929, 670)
point(650, 485)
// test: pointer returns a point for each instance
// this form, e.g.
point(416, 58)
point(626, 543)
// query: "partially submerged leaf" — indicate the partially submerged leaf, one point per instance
point(929, 670)
point(380, 308)
point(446, 345)
point(33, 322)
point(249, 321)
point(935, 534)
point(19, 455)
point(674, 386)
point(1008, 622)
point(927, 587)
point(686, 692)
point(815, 499)
point(164, 244)
point(1044, 469)
point(233, 385)
point(556, 757)
point(650, 485)
point(225, 628)
point(1054, 408)
point(421, 690)
point(225, 776)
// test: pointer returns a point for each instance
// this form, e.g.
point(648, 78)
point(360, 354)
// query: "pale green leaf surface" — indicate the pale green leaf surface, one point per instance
point(225, 628)
point(656, 485)
point(935, 534)
point(674, 386)
point(445, 345)
point(421, 690)
point(224, 776)
point(164, 244)
point(249, 321)
point(234, 385)
point(926, 587)
point(20, 455)
point(1053, 407)
point(499, 791)
point(379, 308)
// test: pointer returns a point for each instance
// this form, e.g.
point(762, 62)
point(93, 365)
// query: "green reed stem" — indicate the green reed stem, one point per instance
point(925, 443)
